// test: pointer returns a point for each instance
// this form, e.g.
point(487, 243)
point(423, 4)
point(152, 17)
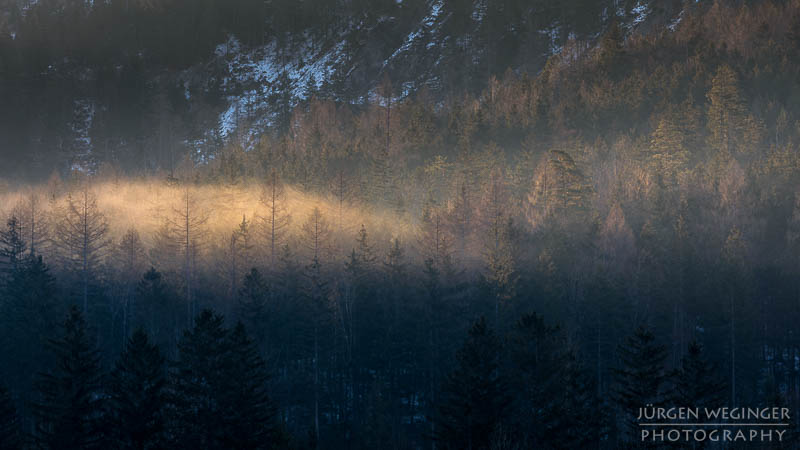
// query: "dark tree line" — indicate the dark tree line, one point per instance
point(390, 365)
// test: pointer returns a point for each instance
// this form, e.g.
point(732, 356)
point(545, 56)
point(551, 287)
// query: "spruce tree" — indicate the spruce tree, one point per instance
point(29, 316)
point(538, 363)
point(364, 250)
point(198, 380)
point(248, 414)
point(254, 296)
point(137, 395)
point(640, 379)
point(70, 413)
point(156, 309)
point(475, 397)
point(10, 432)
point(696, 381)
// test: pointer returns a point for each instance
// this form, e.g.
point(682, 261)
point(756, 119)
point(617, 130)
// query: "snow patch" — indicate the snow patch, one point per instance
point(253, 77)
point(640, 11)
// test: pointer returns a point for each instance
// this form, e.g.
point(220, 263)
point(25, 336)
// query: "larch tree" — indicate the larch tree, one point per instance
point(726, 112)
point(131, 259)
point(559, 188)
point(435, 241)
point(498, 242)
point(734, 272)
point(188, 227)
point(82, 237)
point(33, 222)
point(315, 235)
point(12, 245)
point(460, 220)
point(276, 220)
point(240, 251)
point(341, 189)
point(668, 152)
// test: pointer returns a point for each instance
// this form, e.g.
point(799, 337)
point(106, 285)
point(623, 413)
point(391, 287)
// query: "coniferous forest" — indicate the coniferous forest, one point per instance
point(411, 224)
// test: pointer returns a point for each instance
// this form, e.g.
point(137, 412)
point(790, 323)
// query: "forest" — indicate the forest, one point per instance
point(521, 259)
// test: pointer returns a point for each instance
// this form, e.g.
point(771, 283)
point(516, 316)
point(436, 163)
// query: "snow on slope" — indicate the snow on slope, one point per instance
point(254, 77)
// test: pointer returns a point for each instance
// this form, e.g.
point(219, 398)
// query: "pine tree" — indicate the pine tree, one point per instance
point(70, 413)
point(640, 379)
point(10, 431)
point(137, 396)
point(475, 398)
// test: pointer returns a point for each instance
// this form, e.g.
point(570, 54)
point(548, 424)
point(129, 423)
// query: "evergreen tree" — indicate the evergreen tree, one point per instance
point(394, 265)
point(538, 363)
point(198, 382)
point(365, 252)
point(475, 398)
point(696, 381)
point(29, 313)
point(248, 414)
point(640, 380)
point(253, 305)
point(157, 309)
point(10, 432)
point(137, 396)
point(70, 413)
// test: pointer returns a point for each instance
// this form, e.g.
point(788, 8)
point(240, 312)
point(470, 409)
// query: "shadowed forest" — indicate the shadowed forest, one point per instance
point(520, 260)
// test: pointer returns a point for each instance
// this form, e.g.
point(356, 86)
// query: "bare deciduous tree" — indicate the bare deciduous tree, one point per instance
point(82, 237)
point(276, 219)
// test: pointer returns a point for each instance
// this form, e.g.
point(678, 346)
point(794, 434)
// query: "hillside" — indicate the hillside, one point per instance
point(140, 84)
